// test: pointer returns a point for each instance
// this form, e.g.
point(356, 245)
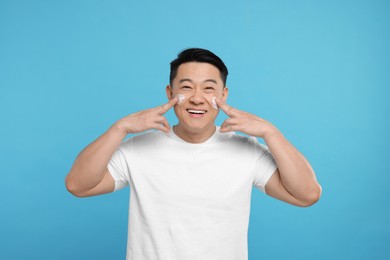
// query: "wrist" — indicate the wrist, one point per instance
point(271, 134)
point(118, 129)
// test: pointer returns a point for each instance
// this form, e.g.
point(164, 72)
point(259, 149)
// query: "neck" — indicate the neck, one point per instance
point(194, 136)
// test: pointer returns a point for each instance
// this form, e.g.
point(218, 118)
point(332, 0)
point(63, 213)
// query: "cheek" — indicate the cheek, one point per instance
point(179, 111)
point(180, 98)
point(176, 108)
point(213, 113)
point(211, 100)
point(214, 103)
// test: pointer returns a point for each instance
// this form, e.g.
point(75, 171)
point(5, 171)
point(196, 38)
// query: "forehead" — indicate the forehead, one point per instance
point(198, 71)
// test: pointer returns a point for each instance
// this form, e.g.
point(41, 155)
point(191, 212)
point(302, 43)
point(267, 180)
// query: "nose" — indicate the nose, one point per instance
point(197, 97)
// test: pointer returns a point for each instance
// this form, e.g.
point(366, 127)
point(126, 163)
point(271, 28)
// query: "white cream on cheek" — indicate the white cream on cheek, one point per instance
point(214, 103)
point(180, 98)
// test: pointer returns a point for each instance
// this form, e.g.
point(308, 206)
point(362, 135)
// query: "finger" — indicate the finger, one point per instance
point(163, 121)
point(229, 128)
point(162, 128)
point(232, 121)
point(169, 105)
point(225, 127)
point(225, 107)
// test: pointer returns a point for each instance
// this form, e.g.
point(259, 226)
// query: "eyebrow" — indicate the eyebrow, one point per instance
point(189, 80)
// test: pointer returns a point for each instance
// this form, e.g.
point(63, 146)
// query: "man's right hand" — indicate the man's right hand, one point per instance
point(147, 119)
point(89, 175)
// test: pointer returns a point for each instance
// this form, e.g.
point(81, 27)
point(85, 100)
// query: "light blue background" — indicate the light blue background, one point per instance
point(318, 70)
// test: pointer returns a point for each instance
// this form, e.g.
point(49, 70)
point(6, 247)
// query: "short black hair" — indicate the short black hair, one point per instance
point(198, 55)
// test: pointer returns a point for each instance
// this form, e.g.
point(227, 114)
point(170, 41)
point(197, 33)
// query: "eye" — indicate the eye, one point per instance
point(209, 89)
point(186, 87)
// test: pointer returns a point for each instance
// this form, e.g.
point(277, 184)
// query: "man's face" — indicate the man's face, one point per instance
point(199, 83)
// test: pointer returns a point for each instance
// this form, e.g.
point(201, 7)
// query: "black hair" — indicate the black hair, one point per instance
point(198, 55)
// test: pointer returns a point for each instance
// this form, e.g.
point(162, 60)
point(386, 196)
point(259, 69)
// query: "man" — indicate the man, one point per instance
point(190, 185)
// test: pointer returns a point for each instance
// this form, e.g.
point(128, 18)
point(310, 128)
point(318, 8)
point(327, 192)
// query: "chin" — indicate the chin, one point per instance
point(197, 126)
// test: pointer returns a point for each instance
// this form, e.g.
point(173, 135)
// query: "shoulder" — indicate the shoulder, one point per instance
point(144, 139)
point(233, 137)
point(237, 149)
point(242, 142)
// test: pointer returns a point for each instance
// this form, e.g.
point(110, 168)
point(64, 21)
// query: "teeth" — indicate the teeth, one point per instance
point(196, 111)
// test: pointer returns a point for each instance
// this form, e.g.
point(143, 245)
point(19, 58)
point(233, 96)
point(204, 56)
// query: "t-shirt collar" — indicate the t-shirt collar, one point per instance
point(211, 139)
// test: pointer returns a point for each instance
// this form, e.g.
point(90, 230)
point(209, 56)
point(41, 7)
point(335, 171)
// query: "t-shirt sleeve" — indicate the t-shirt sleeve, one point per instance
point(265, 166)
point(117, 166)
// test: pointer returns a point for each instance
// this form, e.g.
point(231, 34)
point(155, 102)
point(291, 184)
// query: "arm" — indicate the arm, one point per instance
point(294, 181)
point(89, 175)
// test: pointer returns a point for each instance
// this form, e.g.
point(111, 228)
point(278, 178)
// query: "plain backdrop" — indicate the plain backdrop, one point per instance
point(318, 70)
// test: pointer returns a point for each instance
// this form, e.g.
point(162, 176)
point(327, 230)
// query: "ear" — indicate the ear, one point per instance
point(225, 93)
point(168, 90)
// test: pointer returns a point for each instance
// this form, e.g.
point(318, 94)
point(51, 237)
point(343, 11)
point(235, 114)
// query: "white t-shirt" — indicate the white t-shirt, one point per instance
point(190, 201)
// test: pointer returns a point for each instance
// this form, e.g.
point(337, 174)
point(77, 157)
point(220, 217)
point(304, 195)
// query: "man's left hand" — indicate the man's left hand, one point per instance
point(245, 122)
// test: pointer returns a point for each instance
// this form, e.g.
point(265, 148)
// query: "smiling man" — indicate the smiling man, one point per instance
point(198, 83)
point(191, 184)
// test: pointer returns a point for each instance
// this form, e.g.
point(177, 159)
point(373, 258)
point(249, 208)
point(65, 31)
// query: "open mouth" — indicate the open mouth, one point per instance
point(196, 112)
